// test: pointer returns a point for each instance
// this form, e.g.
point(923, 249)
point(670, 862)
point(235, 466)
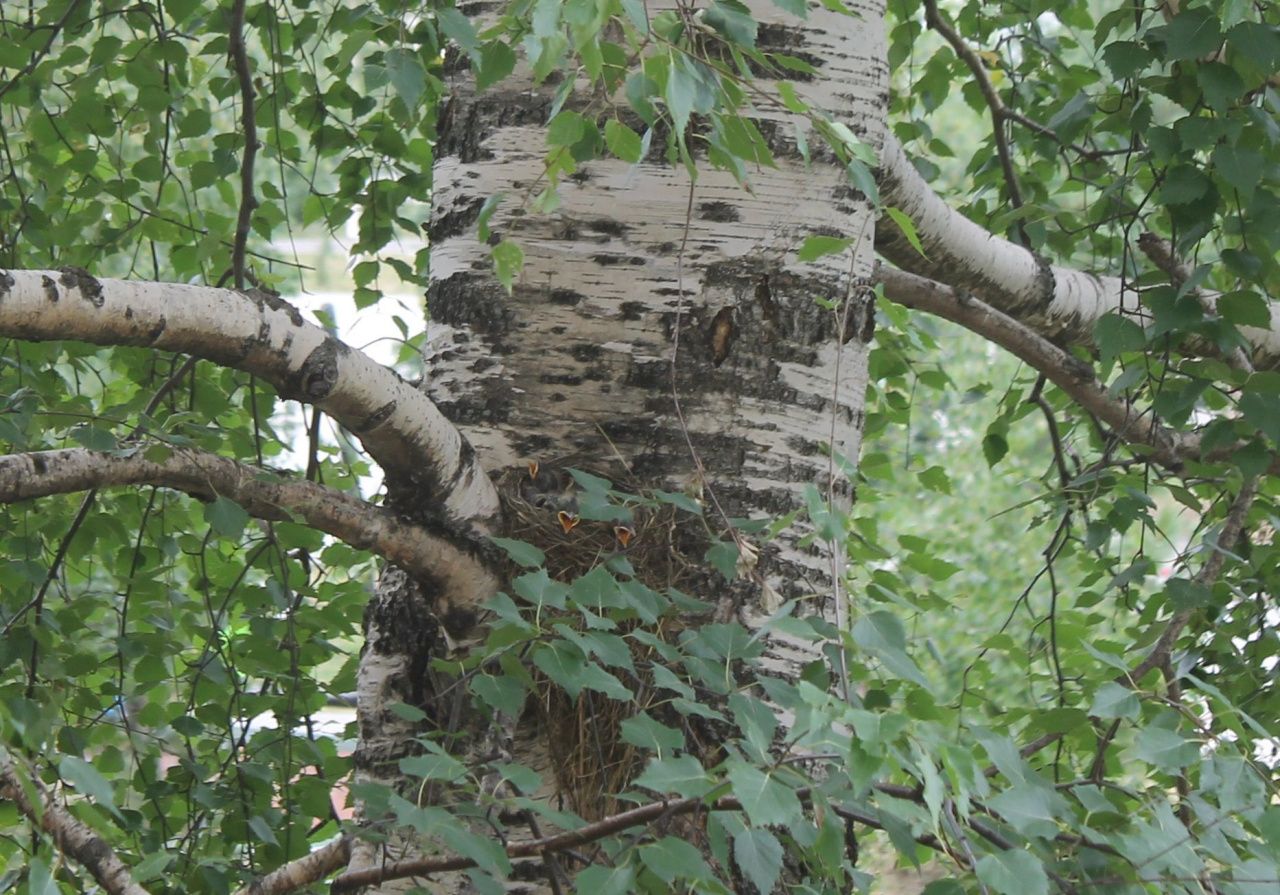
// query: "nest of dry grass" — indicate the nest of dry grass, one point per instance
point(663, 546)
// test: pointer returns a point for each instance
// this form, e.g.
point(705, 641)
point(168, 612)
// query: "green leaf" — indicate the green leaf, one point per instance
point(458, 28)
point(1126, 58)
point(642, 730)
point(882, 634)
point(508, 261)
point(433, 766)
point(1184, 184)
point(521, 553)
point(1263, 411)
point(1192, 34)
point(85, 778)
point(408, 77)
point(226, 517)
point(815, 247)
point(670, 859)
point(486, 851)
point(1165, 749)
point(1245, 308)
point(563, 663)
point(764, 797)
point(1115, 701)
point(733, 20)
point(680, 501)
point(622, 141)
point(566, 129)
point(1013, 872)
point(1221, 84)
point(908, 228)
point(497, 61)
point(683, 775)
point(723, 555)
point(1184, 593)
point(1116, 335)
point(39, 879)
point(759, 855)
point(262, 830)
point(618, 880)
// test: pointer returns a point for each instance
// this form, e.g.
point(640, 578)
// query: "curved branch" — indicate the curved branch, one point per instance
point(305, 870)
point(1168, 447)
point(437, 555)
point(73, 837)
point(1058, 302)
point(259, 333)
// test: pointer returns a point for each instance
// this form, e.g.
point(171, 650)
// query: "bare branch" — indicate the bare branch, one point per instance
point(592, 832)
point(263, 335)
point(73, 837)
point(439, 555)
point(962, 49)
point(305, 870)
point(249, 128)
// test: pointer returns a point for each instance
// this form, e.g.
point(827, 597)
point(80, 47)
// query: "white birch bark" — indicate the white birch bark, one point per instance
point(576, 367)
point(463, 576)
point(1059, 302)
point(402, 430)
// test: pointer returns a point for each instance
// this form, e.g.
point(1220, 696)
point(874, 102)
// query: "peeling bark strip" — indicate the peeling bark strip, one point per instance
point(1055, 301)
point(260, 334)
point(465, 577)
point(74, 838)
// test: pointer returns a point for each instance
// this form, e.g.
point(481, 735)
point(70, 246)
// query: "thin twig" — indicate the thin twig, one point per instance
point(934, 20)
point(240, 58)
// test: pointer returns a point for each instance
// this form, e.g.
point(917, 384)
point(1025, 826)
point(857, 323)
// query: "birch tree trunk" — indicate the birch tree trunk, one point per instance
point(656, 320)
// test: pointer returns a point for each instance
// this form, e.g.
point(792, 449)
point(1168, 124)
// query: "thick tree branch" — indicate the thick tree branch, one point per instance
point(439, 556)
point(73, 837)
point(1058, 302)
point(260, 334)
point(1075, 377)
point(304, 871)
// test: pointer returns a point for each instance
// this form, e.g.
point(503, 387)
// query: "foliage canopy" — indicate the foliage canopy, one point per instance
point(1068, 687)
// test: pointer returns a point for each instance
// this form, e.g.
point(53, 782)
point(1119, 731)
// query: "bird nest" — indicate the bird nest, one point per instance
point(654, 542)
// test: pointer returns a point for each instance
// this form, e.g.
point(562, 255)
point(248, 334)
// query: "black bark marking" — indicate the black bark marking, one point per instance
point(79, 278)
point(1046, 282)
point(469, 300)
point(455, 222)
point(7, 282)
point(764, 298)
point(719, 212)
point(377, 418)
point(319, 372)
point(565, 297)
point(50, 288)
point(157, 330)
point(264, 298)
